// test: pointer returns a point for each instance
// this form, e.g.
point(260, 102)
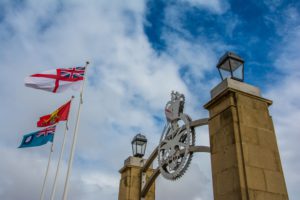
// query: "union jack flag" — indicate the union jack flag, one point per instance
point(72, 73)
point(46, 131)
point(57, 80)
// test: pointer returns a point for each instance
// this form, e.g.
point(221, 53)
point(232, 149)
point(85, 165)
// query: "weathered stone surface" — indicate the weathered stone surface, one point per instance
point(229, 196)
point(254, 118)
point(255, 178)
point(223, 104)
point(251, 134)
point(267, 139)
point(232, 181)
point(258, 156)
point(224, 160)
point(260, 195)
point(235, 85)
point(129, 188)
point(214, 124)
point(275, 182)
point(252, 103)
point(224, 137)
point(245, 158)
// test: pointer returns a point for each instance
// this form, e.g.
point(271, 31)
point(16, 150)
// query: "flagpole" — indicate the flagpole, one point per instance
point(60, 158)
point(74, 139)
point(46, 174)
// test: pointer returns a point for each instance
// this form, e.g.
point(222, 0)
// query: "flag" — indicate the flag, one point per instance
point(57, 80)
point(60, 114)
point(38, 138)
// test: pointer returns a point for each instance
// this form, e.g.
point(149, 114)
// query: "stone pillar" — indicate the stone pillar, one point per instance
point(130, 186)
point(244, 153)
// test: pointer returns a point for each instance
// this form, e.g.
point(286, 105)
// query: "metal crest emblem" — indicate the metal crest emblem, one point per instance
point(177, 137)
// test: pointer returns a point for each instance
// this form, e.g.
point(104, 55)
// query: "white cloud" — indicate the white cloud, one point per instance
point(188, 54)
point(286, 114)
point(215, 6)
point(273, 4)
point(128, 84)
point(285, 19)
point(285, 94)
point(288, 61)
point(101, 180)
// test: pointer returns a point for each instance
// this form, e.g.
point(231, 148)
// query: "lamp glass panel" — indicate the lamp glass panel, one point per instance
point(139, 149)
point(235, 64)
point(138, 142)
point(225, 66)
point(238, 72)
point(143, 148)
point(133, 149)
point(136, 149)
point(225, 74)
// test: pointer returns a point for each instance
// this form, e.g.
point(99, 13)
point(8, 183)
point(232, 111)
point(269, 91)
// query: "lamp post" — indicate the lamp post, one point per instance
point(133, 177)
point(245, 158)
point(231, 66)
point(139, 143)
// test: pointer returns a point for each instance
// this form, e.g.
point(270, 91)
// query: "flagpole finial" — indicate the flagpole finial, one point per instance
point(73, 96)
point(87, 62)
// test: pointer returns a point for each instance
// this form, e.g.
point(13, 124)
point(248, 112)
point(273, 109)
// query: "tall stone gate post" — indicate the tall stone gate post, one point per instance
point(244, 153)
point(130, 180)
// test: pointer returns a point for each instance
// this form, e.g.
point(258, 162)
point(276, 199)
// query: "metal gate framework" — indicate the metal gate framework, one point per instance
point(146, 184)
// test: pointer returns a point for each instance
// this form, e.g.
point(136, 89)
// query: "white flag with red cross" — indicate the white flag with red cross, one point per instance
point(57, 80)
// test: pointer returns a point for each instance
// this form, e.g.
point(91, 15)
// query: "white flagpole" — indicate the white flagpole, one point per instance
point(46, 174)
point(60, 158)
point(74, 139)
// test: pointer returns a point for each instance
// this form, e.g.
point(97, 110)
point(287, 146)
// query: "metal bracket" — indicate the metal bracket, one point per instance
point(149, 182)
point(205, 149)
point(146, 184)
point(199, 122)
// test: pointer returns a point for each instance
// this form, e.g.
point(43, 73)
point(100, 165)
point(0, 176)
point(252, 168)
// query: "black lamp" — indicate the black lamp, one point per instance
point(139, 143)
point(232, 66)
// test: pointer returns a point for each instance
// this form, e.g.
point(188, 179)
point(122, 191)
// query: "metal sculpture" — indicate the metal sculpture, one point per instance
point(174, 154)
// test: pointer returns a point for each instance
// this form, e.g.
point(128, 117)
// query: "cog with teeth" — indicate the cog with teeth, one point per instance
point(174, 154)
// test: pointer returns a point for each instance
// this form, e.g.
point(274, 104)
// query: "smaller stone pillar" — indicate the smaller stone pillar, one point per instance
point(130, 185)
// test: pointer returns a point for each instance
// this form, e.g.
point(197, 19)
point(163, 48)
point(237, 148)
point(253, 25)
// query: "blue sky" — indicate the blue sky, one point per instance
point(139, 52)
point(252, 29)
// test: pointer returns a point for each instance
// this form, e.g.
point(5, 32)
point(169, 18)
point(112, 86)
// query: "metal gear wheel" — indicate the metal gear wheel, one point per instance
point(174, 156)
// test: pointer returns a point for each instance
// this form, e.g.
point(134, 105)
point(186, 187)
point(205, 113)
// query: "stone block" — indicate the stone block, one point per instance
point(255, 178)
point(251, 103)
point(261, 195)
point(227, 181)
point(222, 138)
point(222, 104)
point(214, 124)
point(224, 160)
point(260, 157)
point(236, 195)
point(267, 139)
point(232, 84)
point(275, 182)
point(130, 183)
point(254, 118)
point(226, 117)
point(249, 134)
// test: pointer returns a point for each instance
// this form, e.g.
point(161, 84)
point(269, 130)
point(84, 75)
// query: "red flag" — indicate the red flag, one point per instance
point(61, 114)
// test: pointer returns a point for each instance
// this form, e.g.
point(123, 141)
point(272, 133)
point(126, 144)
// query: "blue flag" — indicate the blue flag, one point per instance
point(38, 138)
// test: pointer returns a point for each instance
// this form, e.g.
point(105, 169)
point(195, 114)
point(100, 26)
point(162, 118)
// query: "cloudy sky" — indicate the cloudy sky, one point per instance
point(139, 52)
